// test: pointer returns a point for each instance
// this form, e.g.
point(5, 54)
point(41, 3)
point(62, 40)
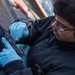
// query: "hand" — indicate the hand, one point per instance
point(8, 54)
point(18, 30)
point(26, 49)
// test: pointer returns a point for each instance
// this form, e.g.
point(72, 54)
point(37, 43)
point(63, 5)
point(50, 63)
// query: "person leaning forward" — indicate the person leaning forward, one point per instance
point(51, 41)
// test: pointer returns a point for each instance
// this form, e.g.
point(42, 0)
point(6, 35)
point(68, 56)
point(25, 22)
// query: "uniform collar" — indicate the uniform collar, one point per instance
point(65, 45)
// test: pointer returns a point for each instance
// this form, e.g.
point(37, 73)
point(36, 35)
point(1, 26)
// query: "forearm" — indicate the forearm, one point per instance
point(26, 71)
point(36, 30)
point(17, 68)
point(13, 66)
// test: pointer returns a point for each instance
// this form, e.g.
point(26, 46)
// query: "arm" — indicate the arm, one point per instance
point(17, 68)
point(36, 30)
point(28, 35)
point(23, 72)
point(11, 62)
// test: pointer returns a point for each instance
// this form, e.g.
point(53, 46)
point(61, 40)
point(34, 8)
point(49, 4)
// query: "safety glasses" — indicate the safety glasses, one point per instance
point(62, 28)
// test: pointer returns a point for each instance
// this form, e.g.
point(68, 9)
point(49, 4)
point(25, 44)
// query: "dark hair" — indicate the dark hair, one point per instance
point(65, 9)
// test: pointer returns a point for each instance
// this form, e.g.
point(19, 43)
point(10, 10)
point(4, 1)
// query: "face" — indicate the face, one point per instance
point(62, 30)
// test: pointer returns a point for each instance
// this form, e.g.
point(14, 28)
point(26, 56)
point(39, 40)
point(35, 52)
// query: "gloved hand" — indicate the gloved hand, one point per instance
point(18, 30)
point(8, 54)
point(26, 49)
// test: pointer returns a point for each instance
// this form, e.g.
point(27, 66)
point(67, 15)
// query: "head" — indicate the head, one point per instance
point(64, 26)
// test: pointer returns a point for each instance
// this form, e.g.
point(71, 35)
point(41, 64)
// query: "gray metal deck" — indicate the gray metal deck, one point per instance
point(6, 17)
